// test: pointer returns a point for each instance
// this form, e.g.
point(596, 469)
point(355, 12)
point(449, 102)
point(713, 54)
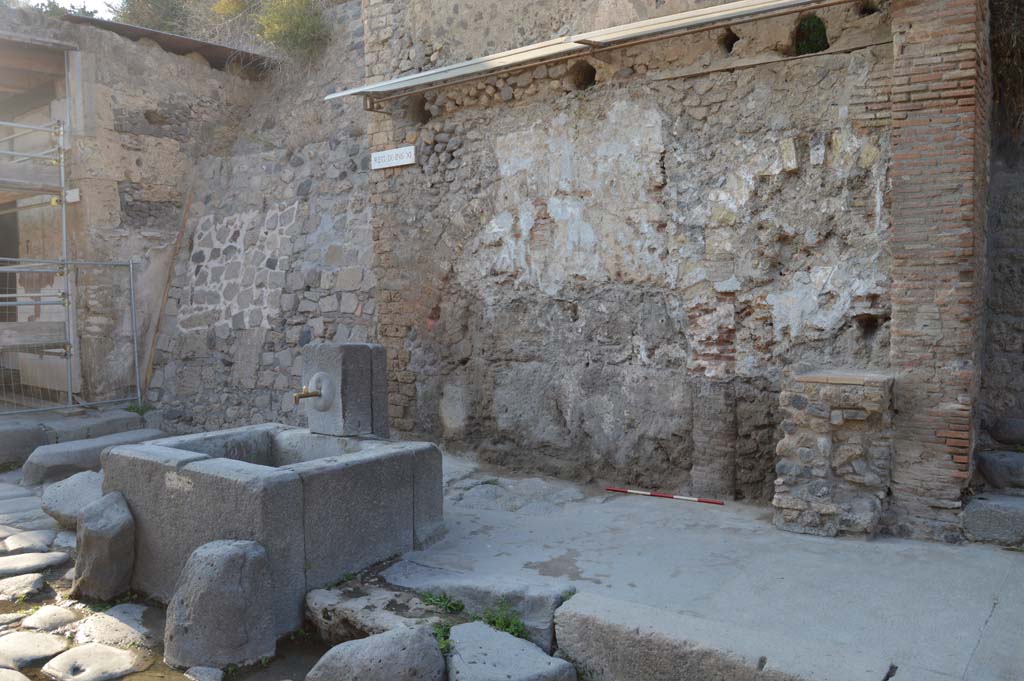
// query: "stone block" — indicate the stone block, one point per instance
point(54, 462)
point(94, 662)
point(65, 500)
point(20, 440)
point(535, 602)
point(995, 518)
point(615, 640)
point(356, 510)
point(106, 549)
point(428, 494)
point(182, 500)
point(350, 392)
point(253, 444)
point(1009, 431)
point(354, 610)
point(1002, 470)
point(397, 654)
point(221, 613)
point(480, 653)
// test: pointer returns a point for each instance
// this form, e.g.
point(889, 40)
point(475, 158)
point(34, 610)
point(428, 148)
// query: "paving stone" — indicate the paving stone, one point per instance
point(11, 675)
point(10, 618)
point(23, 648)
point(8, 491)
point(354, 610)
point(65, 500)
point(480, 653)
point(30, 562)
point(106, 548)
point(128, 625)
point(31, 519)
point(34, 541)
point(222, 584)
point(65, 541)
point(49, 618)
point(13, 588)
point(534, 602)
point(94, 662)
point(201, 674)
point(54, 462)
point(6, 531)
point(397, 654)
point(995, 518)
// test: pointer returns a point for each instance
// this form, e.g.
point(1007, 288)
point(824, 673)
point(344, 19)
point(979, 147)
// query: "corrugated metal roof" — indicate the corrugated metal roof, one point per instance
point(565, 48)
point(217, 55)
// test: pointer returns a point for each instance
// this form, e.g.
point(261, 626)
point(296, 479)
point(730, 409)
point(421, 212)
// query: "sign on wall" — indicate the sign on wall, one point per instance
point(391, 158)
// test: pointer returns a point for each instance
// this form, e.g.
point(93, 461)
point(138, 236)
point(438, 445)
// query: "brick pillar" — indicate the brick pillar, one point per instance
point(940, 118)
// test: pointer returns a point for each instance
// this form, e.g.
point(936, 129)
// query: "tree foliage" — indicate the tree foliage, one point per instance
point(52, 9)
point(162, 15)
point(297, 27)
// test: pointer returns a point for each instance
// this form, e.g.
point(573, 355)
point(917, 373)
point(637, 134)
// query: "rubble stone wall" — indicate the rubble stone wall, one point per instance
point(278, 249)
point(835, 460)
point(614, 278)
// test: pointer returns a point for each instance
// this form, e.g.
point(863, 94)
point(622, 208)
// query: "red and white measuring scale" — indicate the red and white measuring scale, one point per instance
point(699, 500)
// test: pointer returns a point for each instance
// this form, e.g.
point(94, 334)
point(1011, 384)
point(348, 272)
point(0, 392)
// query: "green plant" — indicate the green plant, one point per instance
point(503, 618)
point(52, 9)
point(297, 27)
point(442, 601)
point(162, 15)
point(811, 35)
point(140, 408)
point(229, 8)
point(443, 633)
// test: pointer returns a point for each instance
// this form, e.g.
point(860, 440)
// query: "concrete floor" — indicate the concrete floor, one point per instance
point(842, 609)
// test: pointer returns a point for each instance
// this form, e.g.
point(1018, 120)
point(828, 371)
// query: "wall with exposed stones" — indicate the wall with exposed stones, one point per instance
point(278, 250)
point(139, 117)
point(614, 279)
point(611, 267)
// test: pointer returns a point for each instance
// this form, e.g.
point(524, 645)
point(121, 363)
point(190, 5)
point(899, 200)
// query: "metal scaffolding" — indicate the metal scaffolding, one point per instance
point(27, 174)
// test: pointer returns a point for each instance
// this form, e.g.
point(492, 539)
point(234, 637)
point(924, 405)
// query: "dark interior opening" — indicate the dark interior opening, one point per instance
point(582, 75)
point(729, 40)
point(811, 36)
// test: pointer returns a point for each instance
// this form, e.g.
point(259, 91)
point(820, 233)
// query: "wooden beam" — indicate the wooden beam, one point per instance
point(31, 333)
point(14, 80)
point(31, 59)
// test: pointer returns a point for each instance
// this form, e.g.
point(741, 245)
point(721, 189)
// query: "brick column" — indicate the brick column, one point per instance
point(940, 118)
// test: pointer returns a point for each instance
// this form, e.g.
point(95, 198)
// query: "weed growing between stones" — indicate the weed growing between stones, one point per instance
point(443, 633)
point(139, 409)
point(504, 618)
point(442, 601)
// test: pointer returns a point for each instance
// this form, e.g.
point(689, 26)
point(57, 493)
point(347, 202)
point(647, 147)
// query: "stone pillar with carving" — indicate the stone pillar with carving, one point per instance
point(834, 463)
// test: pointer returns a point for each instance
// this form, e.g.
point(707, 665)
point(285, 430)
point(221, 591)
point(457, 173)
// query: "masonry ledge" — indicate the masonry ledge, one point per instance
point(846, 377)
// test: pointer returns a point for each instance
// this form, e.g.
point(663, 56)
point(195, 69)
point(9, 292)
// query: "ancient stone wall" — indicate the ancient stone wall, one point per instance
point(277, 251)
point(835, 459)
point(606, 269)
point(139, 116)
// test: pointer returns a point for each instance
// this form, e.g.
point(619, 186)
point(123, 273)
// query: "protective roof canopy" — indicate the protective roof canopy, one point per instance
point(553, 50)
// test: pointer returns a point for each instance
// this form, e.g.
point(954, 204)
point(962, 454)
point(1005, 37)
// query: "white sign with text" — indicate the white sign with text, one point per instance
point(391, 158)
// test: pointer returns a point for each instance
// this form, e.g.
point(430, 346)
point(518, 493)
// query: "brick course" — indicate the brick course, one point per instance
point(940, 114)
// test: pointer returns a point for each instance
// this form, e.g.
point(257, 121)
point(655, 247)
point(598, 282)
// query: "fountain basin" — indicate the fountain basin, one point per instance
point(322, 506)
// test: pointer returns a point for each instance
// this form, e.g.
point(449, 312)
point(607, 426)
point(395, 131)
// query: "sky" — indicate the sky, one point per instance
point(99, 5)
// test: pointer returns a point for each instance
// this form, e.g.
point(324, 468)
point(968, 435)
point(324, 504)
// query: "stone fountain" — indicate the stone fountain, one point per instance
point(324, 501)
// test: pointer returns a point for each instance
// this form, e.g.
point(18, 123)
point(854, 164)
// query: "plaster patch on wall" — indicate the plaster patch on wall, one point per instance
point(549, 231)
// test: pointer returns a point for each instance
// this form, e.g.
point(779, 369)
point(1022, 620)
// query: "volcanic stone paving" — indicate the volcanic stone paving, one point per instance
point(820, 608)
point(65, 638)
